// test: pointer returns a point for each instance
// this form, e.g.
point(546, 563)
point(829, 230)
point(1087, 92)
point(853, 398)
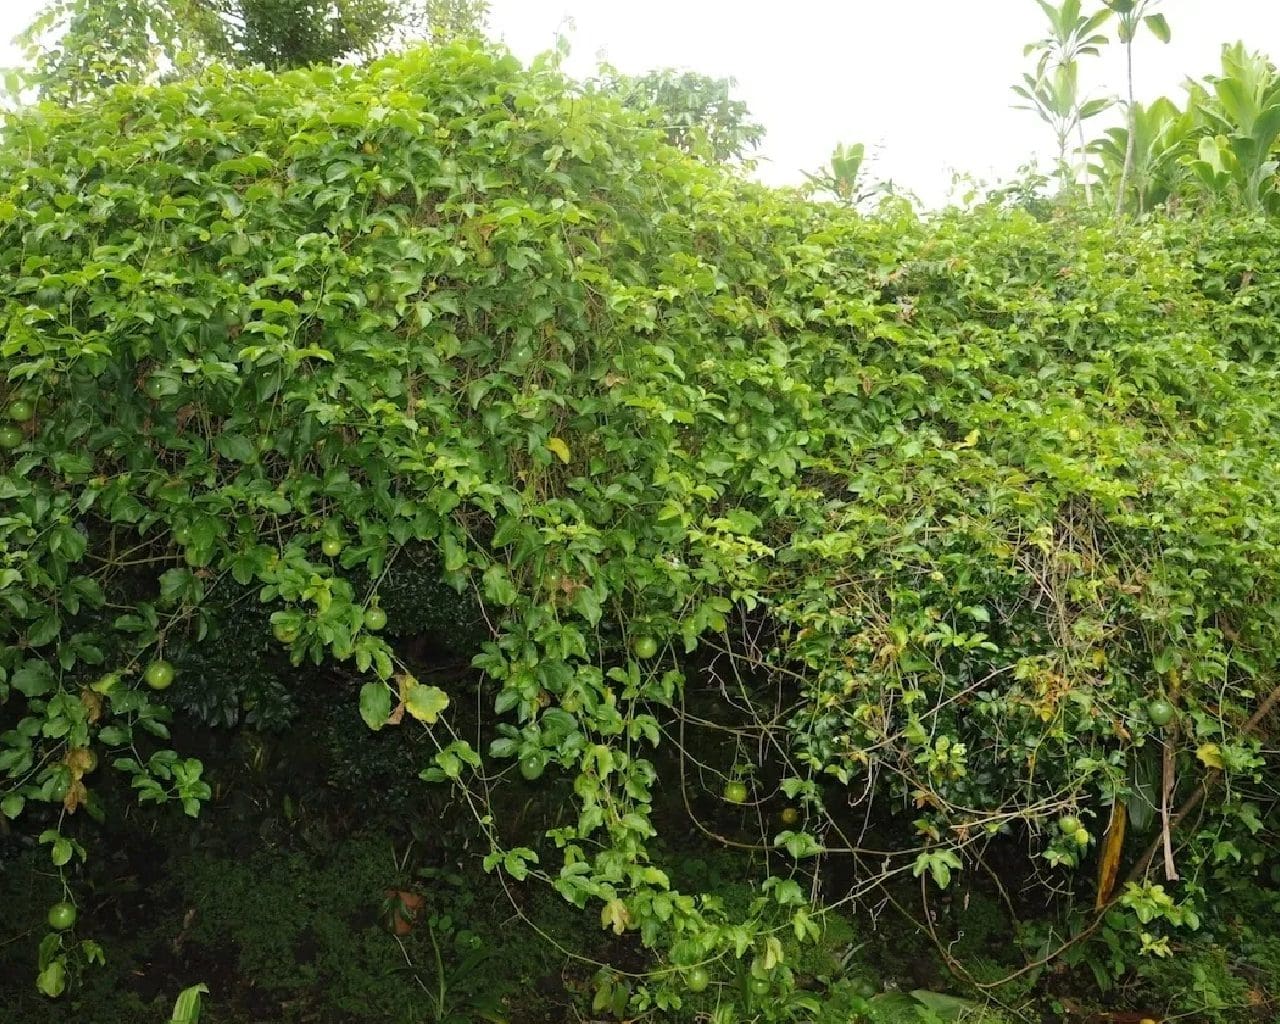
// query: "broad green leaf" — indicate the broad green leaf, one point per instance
point(1159, 26)
point(375, 704)
point(186, 1010)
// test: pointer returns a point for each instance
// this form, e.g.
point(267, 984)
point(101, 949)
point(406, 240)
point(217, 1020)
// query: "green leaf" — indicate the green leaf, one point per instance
point(11, 806)
point(236, 447)
point(52, 981)
point(945, 1007)
point(34, 679)
point(187, 1008)
point(1159, 26)
point(375, 704)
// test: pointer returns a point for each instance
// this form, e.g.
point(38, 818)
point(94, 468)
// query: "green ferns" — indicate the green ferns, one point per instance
point(950, 500)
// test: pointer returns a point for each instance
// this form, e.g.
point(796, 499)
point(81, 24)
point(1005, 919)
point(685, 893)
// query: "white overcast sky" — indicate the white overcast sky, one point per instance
point(925, 82)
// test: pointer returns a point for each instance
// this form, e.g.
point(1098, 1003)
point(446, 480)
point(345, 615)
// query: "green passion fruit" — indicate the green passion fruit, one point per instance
point(374, 618)
point(697, 979)
point(644, 647)
point(20, 410)
point(735, 792)
point(159, 675)
point(285, 632)
point(62, 915)
point(1160, 712)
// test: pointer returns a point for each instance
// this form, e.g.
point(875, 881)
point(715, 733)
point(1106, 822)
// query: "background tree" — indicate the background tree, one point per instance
point(1053, 91)
point(1132, 15)
point(78, 47)
point(699, 113)
point(843, 177)
point(1240, 111)
point(1054, 96)
point(1161, 140)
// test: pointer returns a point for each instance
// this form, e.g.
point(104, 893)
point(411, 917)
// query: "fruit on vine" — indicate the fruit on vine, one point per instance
point(285, 632)
point(1160, 712)
point(156, 387)
point(182, 535)
point(159, 675)
point(644, 647)
point(331, 546)
point(735, 792)
point(742, 431)
point(62, 915)
point(10, 437)
point(20, 410)
point(1068, 825)
point(697, 979)
point(1082, 837)
point(789, 815)
point(531, 767)
point(374, 618)
point(758, 986)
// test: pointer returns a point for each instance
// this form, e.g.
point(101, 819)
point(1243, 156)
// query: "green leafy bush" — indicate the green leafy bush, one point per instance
point(927, 512)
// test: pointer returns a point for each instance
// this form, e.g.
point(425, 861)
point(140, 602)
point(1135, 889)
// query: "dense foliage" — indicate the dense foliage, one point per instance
point(77, 48)
point(969, 522)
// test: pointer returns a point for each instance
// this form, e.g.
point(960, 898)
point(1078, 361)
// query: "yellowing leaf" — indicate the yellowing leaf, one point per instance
point(425, 702)
point(1109, 861)
point(615, 915)
point(1210, 755)
point(561, 449)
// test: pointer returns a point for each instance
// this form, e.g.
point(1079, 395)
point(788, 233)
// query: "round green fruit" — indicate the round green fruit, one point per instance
point(62, 915)
point(159, 675)
point(758, 986)
point(789, 815)
point(532, 767)
point(182, 535)
point(1069, 825)
point(331, 546)
point(742, 431)
point(11, 437)
point(374, 618)
point(644, 647)
point(284, 632)
point(20, 410)
point(1082, 837)
point(697, 979)
point(735, 792)
point(1160, 712)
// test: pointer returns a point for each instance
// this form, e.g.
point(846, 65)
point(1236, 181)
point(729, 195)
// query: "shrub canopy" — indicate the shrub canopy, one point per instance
point(940, 504)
